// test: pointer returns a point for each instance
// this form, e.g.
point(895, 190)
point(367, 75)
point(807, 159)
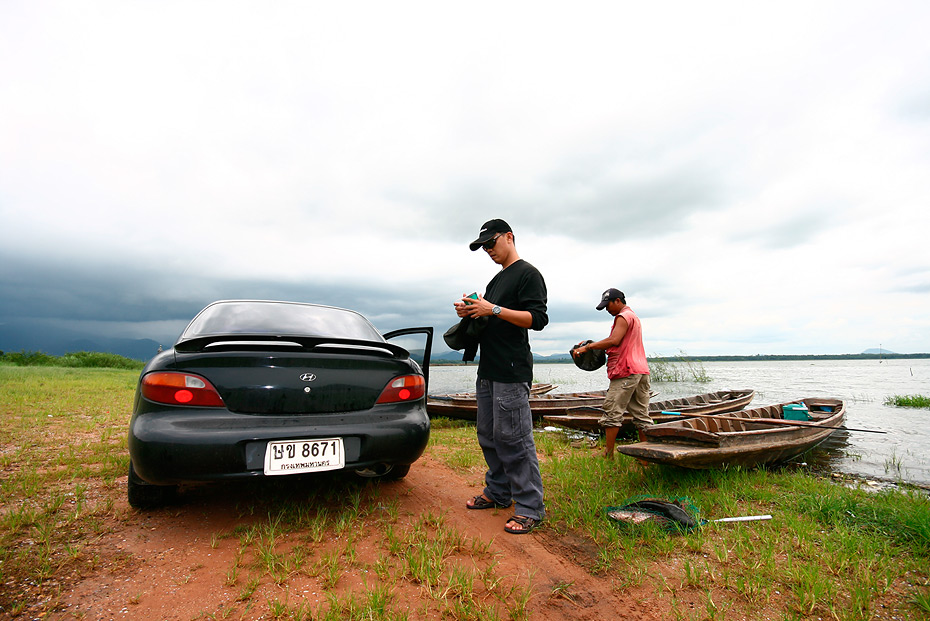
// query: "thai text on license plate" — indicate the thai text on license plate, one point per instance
point(296, 456)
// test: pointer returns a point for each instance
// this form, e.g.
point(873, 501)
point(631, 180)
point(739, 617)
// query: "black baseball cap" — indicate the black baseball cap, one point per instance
point(611, 294)
point(488, 230)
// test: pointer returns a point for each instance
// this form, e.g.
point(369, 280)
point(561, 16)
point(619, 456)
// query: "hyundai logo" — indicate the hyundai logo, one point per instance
point(308, 377)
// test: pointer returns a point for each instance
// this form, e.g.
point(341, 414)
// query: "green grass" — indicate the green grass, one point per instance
point(908, 401)
point(829, 551)
point(62, 448)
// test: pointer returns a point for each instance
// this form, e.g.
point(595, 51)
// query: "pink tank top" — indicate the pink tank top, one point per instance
point(629, 357)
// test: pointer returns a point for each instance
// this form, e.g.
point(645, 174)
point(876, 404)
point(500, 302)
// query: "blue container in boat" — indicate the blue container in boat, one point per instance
point(795, 411)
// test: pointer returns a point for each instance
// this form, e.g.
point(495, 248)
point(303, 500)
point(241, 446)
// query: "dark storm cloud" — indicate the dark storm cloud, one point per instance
point(92, 291)
point(75, 293)
point(122, 301)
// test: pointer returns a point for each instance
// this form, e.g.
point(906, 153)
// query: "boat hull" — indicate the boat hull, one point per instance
point(465, 406)
point(721, 443)
point(718, 402)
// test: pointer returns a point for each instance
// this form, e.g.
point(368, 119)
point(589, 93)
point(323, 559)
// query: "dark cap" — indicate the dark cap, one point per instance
point(611, 294)
point(488, 230)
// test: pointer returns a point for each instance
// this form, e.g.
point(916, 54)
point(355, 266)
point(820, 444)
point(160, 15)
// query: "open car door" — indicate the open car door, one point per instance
point(418, 342)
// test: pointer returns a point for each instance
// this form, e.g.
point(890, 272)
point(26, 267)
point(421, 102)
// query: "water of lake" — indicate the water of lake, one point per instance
point(901, 454)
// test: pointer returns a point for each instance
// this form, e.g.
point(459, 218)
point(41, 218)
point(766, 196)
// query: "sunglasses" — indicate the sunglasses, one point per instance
point(491, 242)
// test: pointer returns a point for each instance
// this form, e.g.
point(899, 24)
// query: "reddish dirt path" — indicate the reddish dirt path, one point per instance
point(168, 564)
point(550, 556)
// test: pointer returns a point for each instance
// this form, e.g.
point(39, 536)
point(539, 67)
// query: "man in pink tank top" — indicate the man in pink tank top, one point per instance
point(627, 368)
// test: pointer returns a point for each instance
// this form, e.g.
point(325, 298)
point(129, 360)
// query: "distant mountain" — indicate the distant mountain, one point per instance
point(875, 351)
point(24, 335)
point(449, 356)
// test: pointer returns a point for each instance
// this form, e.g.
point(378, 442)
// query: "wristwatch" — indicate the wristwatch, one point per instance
point(496, 310)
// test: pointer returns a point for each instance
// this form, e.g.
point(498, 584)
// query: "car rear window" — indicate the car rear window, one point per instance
point(279, 318)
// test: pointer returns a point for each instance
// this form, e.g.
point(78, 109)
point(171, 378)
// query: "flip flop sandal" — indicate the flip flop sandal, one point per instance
point(527, 523)
point(480, 502)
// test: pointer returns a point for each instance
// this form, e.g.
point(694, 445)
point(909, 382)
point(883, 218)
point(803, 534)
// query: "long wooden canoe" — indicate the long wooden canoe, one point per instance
point(585, 418)
point(748, 438)
point(535, 390)
point(465, 405)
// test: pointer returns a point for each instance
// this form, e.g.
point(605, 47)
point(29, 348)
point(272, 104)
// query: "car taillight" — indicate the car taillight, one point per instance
point(405, 388)
point(180, 389)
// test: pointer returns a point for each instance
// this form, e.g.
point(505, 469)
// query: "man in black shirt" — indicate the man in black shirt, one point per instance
point(514, 302)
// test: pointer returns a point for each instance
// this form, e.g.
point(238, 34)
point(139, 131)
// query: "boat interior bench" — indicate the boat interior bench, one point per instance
point(713, 425)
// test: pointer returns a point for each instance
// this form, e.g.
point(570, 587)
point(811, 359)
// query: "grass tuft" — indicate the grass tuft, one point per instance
point(908, 401)
point(679, 369)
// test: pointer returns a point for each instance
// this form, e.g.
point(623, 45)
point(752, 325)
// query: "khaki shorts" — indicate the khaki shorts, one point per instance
point(627, 398)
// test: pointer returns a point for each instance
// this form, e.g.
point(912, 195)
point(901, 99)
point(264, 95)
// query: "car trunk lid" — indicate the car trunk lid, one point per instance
point(337, 379)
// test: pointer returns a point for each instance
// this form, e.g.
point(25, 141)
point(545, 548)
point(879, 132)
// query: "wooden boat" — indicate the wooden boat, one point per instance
point(747, 438)
point(535, 389)
point(465, 406)
point(585, 418)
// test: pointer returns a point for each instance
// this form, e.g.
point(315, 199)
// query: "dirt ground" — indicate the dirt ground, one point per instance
point(169, 564)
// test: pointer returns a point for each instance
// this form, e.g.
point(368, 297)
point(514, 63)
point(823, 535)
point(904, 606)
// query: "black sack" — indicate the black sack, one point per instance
point(456, 337)
point(465, 335)
point(591, 360)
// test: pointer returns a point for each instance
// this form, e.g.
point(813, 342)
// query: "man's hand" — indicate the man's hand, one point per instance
point(470, 307)
point(460, 309)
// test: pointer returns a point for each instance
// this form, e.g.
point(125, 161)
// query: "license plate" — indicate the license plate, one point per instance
point(297, 456)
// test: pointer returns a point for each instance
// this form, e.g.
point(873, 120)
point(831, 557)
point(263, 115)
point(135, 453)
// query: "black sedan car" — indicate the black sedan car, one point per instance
point(262, 388)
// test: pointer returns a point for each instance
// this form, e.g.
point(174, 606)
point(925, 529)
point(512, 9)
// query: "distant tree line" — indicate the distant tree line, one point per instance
point(791, 357)
point(757, 357)
point(79, 359)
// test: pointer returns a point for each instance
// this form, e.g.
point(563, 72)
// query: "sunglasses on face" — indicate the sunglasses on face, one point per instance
point(491, 242)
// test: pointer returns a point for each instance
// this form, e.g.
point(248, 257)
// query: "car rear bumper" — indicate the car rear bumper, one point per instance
point(175, 445)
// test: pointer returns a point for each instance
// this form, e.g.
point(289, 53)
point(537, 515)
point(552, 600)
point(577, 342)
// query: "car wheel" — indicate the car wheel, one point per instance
point(384, 472)
point(144, 495)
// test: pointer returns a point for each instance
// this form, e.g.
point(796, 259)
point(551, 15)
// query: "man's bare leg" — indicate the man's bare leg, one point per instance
point(611, 433)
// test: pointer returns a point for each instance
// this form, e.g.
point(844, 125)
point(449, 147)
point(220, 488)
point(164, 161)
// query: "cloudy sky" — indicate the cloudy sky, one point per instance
point(755, 178)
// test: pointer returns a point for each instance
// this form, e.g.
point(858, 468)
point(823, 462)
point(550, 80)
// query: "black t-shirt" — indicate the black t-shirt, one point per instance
point(505, 348)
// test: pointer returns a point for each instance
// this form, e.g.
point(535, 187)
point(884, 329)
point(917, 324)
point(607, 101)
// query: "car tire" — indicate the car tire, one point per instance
point(144, 495)
point(384, 472)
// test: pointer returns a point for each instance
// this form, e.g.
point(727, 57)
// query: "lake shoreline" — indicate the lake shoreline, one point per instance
point(901, 453)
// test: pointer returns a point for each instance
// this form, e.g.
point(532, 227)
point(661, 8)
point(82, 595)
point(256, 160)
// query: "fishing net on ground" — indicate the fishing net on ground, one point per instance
point(677, 514)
